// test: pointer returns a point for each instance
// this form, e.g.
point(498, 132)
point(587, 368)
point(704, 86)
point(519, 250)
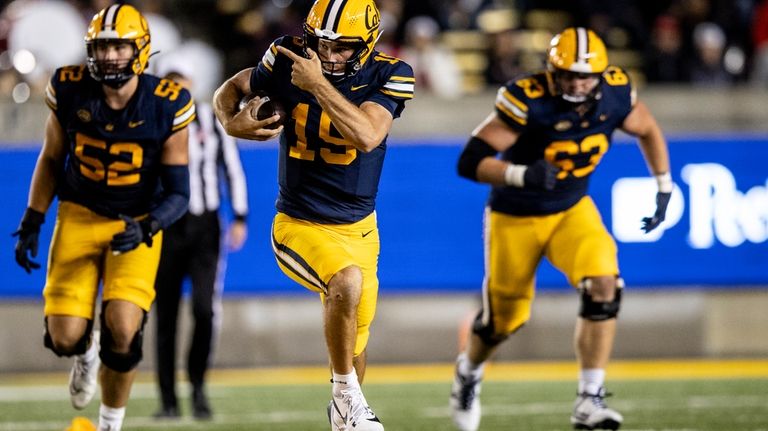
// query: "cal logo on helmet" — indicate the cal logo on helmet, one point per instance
point(350, 22)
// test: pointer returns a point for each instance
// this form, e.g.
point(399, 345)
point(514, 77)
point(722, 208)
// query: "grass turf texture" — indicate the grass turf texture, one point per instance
point(249, 400)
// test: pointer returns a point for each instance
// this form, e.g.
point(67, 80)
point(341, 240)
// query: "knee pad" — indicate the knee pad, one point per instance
point(80, 347)
point(121, 362)
point(487, 333)
point(599, 311)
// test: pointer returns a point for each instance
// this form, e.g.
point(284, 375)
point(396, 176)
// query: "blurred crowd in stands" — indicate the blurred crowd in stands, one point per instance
point(456, 46)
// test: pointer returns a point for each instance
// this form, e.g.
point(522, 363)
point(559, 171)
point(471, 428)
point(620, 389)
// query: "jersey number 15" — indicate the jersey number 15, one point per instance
point(301, 149)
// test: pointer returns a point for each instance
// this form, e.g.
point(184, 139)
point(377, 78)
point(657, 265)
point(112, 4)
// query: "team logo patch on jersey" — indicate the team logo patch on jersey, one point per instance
point(563, 125)
point(84, 115)
point(109, 127)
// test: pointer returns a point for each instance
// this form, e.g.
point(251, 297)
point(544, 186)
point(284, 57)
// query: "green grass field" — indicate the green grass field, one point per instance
point(516, 396)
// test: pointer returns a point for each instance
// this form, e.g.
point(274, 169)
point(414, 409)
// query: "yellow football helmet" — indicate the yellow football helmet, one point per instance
point(577, 52)
point(349, 22)
point(118, 23)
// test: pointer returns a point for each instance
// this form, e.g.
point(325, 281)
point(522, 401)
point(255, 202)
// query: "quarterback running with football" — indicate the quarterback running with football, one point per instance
point(341, 96)
point(115, 155)
point(552, 128)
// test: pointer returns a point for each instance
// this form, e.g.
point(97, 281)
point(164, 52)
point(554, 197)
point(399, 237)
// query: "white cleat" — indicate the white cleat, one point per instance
point(590, 413)
point(465, 402)
point(350, 412)
point(83, 379)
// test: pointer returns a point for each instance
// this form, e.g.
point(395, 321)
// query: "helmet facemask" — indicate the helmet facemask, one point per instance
point(111, 72)
point(577, 87)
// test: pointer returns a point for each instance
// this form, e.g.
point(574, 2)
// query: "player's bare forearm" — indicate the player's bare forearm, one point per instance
point(654, 148)
point(491, 171)
point(366, 126)
point(641, 123)
point(43, 185)
point(225, 99)
point(240, 124)
point(50, 161)
point(175, 151)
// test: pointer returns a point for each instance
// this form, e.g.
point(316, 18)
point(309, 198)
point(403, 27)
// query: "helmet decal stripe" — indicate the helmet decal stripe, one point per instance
point(582, 45)
point(326, 17)
point(333, 15)
point(110, 17)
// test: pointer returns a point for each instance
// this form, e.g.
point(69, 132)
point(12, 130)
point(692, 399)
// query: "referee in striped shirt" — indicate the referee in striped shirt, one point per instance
point(194, 247)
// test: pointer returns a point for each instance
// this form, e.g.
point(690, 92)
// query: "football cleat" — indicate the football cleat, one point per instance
point(350, 412)
point(337, 422)
point(590, 412)
point(465, 401)
point(83, 378)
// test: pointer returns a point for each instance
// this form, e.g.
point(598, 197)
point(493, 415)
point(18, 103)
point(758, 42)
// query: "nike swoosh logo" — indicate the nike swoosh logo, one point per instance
point(358, 87)
point(366, 234)
point(133, 124)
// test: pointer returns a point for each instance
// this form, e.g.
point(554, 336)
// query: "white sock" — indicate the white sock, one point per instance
point(111, 418)
point(591, 380)
point(469, 368)
point(91, 353)
point(344, 381)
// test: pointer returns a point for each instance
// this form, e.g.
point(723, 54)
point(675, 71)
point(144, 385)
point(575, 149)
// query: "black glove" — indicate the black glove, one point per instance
point(541, 175)
point(28, 233)
point(134, 234)
point(651, 223)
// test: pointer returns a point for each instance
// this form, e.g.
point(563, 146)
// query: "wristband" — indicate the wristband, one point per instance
point(665, 182)
point(513, 175)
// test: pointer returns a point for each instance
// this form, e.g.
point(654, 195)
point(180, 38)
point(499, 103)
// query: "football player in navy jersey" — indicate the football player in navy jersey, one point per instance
point(341, 97)
point(552, 128)
point(115, 155)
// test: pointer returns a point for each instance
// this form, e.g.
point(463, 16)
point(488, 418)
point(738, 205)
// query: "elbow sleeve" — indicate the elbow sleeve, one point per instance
point(475, 151)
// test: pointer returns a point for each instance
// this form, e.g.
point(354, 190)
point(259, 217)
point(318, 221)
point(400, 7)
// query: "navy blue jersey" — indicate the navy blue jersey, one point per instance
point(113, 156)
point(322, 177)
point(551, 129)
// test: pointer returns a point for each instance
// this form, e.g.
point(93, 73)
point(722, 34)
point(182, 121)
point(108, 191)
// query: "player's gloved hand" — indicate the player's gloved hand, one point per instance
point(28, 233)
point(651, 223)
point(134, 234)
point(541, 175)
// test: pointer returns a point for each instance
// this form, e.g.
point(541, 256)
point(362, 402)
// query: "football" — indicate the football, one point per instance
point(267, 109)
